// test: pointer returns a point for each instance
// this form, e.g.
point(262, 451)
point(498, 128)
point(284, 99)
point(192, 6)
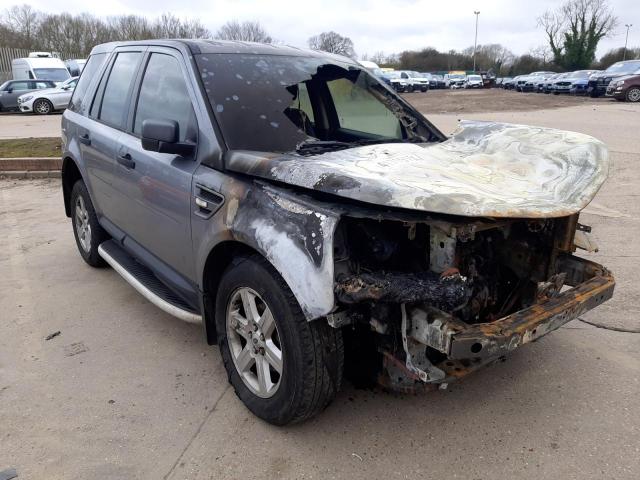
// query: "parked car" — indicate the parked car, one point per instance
point(454, 80)
point(396, 81)
point(75, 66)
point(501, 82)
point(39, 66)
point(580, 86)
point(12, 89)
point(242, 186)
point(415, 81)
point(531, 83)
point(547, 86)
point(520, 82)
point(44, 102)
point(509, 83)
point(566, 82)
point(436, 81)
point(474, 81)
point(625, 88)
point(598, 82)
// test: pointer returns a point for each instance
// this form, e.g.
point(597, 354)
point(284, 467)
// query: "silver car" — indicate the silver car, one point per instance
point(46, 101)
point(12, 89)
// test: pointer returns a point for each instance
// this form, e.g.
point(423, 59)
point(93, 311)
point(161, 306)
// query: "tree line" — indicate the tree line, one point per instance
point(573, 31)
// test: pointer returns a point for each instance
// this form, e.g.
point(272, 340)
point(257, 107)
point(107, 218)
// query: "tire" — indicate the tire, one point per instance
point(311, 353)
point(42, 106)
point(633, 94)
point(86, 229)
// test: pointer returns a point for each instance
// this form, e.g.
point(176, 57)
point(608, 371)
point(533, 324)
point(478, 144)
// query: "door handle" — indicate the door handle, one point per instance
point(126, 161)
point(85, 139)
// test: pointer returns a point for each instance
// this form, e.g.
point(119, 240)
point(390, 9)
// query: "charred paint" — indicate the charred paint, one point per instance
point(484, 169)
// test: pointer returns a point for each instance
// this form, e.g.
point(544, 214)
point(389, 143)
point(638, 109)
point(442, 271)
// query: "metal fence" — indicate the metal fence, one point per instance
point(8, 54)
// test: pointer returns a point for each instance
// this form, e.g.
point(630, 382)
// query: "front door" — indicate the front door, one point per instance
point(157, 186)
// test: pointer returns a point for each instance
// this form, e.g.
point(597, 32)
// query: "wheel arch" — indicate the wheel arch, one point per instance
point(218, 260)
point(70, 175)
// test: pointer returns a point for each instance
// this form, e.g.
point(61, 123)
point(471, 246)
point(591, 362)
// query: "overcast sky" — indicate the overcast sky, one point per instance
point(378, 25)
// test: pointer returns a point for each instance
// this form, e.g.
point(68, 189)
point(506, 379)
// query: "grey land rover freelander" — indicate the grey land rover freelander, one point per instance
point(317, 224)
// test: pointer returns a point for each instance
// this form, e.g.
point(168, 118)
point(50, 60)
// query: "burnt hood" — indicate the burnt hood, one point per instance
point(485, 169)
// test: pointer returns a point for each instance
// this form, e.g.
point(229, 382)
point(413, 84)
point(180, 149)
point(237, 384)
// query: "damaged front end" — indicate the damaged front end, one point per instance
point(438, 299)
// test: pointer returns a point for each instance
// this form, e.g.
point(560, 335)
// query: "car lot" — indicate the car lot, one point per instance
point(125, 391)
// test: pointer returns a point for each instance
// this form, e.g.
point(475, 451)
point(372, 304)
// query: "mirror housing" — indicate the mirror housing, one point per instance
point(162, 136)
point(9, 90)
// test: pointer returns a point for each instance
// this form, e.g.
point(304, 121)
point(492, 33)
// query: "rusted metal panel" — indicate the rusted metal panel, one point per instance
point(497, 338)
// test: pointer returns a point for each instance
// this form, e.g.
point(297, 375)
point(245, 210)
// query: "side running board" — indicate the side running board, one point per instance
point(146, 283)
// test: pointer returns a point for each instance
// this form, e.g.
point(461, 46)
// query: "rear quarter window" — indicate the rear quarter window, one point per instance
point(80, 100)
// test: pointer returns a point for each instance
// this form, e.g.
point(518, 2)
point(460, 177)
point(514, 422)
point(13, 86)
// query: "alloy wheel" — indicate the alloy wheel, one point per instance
point(42, 107)
point(633, 95)
point(254, 342)
point(83, 228)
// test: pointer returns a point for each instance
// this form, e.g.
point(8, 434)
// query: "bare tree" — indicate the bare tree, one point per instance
point(574, 30)
point(379, 57)
point(245, 31)
point(332, 42)
point(24, 22)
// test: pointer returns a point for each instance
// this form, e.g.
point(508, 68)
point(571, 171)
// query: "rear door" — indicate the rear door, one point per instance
point(99, 135)
point(156, 186)
point(10, 97)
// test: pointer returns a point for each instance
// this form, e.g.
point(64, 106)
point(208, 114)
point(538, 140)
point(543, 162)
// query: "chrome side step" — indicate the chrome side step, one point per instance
point(146, 283)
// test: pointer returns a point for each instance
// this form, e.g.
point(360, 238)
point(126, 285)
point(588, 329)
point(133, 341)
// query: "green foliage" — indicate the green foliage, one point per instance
point(574, 30)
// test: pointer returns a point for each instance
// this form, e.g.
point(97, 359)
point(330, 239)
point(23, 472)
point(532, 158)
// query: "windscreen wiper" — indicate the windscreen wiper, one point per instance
point(313, 147)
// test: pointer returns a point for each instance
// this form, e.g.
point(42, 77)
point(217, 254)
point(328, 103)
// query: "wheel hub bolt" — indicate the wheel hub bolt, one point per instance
point(255, 340)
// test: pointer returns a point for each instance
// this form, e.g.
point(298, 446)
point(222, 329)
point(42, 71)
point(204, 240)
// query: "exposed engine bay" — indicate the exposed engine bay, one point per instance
point(421, 288)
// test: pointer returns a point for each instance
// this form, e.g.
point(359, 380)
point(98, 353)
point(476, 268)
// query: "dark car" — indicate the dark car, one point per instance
point(598, 82)
point(12, 89)
point(438, 81)
point(625, 88)
point(565, 83)
point(305, 214)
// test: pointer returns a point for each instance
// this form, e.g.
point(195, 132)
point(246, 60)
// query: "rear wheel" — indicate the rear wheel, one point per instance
point(283, 368)
point(42, 106)
point(633, 94)
point(86, 229)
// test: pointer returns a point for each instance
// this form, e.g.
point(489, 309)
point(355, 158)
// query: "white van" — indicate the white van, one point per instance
point(40, 68)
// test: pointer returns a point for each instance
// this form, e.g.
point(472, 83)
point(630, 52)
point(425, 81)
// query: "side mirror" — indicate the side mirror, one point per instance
point(162, 136)
point(9, 90)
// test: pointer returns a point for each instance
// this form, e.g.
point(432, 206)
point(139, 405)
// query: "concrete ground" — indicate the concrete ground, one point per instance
point(126, 391)
point(20, 125)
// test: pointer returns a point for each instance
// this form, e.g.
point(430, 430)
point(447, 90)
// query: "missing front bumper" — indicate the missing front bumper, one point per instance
point(469, 347)
point(592, 286)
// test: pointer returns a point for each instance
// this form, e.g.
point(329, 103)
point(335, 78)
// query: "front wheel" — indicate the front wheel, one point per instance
point(42, 107)
point(284, 368)
point(633, 94)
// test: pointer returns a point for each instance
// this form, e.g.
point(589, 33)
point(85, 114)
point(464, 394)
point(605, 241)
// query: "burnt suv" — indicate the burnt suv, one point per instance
point(306, 214)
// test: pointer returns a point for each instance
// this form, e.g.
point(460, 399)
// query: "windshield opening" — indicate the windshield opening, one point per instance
point(55, 74)
point(274, 103)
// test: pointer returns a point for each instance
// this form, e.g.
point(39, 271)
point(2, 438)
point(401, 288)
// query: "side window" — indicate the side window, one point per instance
point(78, 100)
point(359, 110)
point(114, 99)
point(164, 96)
point(17, 86)
point(41, 85)
point(404, 75)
